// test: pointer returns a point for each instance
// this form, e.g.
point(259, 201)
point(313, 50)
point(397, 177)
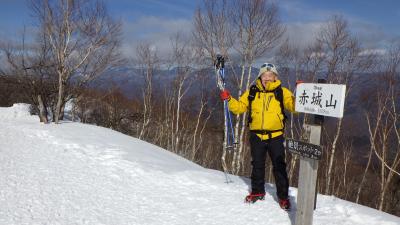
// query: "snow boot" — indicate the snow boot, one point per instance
point(252, 197)
point(284, 204)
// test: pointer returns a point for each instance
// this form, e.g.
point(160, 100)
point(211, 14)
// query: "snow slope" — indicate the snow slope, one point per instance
point(74, 173)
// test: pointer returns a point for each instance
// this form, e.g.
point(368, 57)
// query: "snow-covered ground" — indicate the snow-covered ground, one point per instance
point(74, 173)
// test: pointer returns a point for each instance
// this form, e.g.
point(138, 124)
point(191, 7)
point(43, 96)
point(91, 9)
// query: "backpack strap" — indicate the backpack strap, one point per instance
point(252, 95)
point(279, 96)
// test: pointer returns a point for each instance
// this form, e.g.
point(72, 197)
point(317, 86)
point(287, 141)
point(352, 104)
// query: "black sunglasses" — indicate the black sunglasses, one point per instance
point(268, 65)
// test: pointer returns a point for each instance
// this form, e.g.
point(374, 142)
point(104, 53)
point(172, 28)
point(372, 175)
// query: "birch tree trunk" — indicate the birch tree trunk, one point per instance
point(238, 156)
point(372, 139)
point(42, 110)
point(332, 157)
point(60, 98)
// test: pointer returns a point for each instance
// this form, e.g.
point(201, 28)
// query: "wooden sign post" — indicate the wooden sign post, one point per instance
point(319, 99)
point(307, 179)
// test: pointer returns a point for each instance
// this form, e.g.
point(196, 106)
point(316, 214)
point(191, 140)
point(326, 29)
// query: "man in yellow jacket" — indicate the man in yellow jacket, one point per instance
point(266, 123)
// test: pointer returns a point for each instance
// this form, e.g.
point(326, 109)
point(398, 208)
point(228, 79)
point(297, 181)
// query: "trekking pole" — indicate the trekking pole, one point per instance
point(220, 77)
point(229, 135)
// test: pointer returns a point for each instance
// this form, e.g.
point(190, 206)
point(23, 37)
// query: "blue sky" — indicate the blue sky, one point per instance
point(375, 23)
point(384, 12)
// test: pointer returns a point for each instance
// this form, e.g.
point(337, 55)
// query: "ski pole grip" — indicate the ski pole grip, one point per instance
point(220, 62)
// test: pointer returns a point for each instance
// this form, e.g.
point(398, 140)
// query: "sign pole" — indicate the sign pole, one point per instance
point(319, 99)
point(308, 179)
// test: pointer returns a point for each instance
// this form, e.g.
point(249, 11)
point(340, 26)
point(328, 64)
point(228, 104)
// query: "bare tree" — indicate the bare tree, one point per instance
point(33, 69)
point(256, 29)
point(384, 126)
point(181, 61)
point(342, 182)
point(212, 28)
point(147, 61)
point(381, 102)
point(257, 26)
point(213, 33)
point(342, 60)
point(83, 40)
point(199, 129)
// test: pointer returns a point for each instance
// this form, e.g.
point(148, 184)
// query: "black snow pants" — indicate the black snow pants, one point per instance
point(276, 150)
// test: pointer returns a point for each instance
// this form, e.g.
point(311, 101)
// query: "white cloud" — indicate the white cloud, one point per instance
point(305, 12)
point(154, 30)
point(303, 34)
point(369, 33)
point(158, 30)
point(377, 51)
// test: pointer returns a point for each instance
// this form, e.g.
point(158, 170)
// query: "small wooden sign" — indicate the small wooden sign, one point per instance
point(304, 149)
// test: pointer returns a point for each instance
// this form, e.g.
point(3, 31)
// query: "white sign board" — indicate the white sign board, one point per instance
point(320, 99)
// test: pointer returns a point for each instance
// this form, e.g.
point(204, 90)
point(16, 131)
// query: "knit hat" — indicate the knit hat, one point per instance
point(267, 67)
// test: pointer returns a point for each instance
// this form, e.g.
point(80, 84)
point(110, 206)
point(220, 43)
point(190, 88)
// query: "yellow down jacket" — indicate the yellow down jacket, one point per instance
point(266, 111)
